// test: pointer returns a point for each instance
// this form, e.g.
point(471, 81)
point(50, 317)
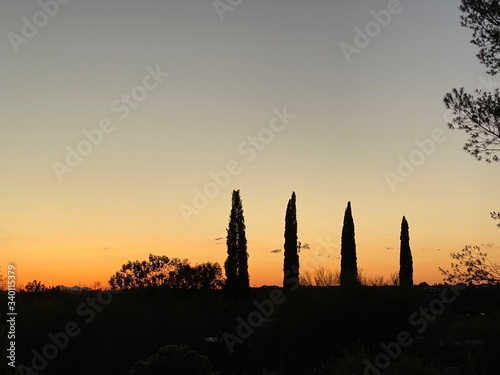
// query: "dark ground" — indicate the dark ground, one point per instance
point(303, 331)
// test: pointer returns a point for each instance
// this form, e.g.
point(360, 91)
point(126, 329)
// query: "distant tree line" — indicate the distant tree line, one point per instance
point(162, 271)
point(35, 286)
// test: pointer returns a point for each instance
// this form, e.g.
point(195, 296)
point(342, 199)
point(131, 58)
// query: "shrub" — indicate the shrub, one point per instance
point(354, 363)
point(173, 360)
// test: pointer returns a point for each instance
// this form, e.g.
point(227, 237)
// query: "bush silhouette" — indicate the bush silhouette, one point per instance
point(162, 271)
point(174, 360)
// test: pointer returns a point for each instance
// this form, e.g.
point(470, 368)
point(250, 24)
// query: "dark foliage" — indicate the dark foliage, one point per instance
point(472, 267)
point(405, 257)
point(161, 271)
point(303, 331)
point(479, 116)
point(173, 360)
point(348, 262)
point(291, 246)
point(35, 286)
point(236, 264)
point(483, 17)
point(495, 216)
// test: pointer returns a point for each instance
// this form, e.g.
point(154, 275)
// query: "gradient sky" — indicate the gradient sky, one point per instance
point(354, 122)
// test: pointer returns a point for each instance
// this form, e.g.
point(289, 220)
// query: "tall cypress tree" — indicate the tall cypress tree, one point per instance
point(236, 264)
point(348, 262)
point(405, 258)
point(291, 261)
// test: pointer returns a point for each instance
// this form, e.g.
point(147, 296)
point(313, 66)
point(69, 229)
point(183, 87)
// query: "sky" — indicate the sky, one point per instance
point(126, 125)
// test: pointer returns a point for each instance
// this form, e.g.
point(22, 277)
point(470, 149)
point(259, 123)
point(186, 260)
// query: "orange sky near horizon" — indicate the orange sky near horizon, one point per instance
point(84, 260)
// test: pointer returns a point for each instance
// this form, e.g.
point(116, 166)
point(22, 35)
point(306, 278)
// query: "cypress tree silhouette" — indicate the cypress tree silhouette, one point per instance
point(405, 258)
point(236, 264)
point(348, 261)
point(291, 261)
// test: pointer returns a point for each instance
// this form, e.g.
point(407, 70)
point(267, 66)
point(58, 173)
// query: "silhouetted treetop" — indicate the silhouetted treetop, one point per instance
point(35, 286)
point(161, 271)
point(291, 256)
point(236, 264)
point(483, 17)
point(472, 267)
point(405, 257)
point(479, 116)
point(348, 262)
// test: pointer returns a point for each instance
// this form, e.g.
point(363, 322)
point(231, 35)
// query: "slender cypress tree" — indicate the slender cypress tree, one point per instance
point(405, 258)
point(243, 277)
point(236, 264)
point(291, 261)
point(348, 261)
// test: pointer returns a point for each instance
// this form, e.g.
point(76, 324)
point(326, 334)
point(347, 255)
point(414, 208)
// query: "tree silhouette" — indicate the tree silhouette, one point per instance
point(348, 261)
point(35, 286)
point(483, 17)
point(161, 271)
point(495, 216)
point(479, 114)
point(291, 261)
point(236, 264)
point(472, 267)
point(3, 281)
point(405, 258)
point(201, 276)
